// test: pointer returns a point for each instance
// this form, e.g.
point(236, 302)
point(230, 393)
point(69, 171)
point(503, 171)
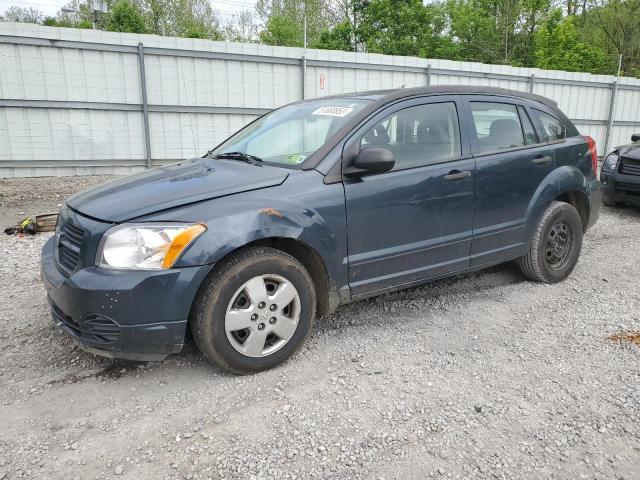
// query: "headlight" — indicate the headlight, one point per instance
point(146, 246)
point(610, 163)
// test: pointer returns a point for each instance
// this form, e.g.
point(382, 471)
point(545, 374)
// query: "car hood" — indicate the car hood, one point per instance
point(171, 186)
point(631, 151)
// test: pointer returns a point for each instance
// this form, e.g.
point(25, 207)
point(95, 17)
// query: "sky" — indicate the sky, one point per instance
point(49, 7)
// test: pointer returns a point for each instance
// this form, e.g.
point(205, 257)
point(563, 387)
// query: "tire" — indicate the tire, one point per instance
point(225, 302)
point(551, 259)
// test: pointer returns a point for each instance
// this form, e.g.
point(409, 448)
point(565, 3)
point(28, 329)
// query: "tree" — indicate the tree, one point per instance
point(615, 25)
point(558, 47)
point(242, 27)
point(125, 17)
point(282, 17)
point(76, 14)
point(340, 37)
point(282, 30)
point(22, 15)
point(155, 13)
point(496, 31)
point(192, 19)
point(403, 27)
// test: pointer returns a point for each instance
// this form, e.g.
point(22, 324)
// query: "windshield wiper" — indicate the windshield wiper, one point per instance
point(245, 157)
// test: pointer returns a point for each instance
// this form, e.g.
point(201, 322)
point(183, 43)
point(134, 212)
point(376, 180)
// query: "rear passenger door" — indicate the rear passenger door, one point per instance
point(511, 163)
point(413, 222)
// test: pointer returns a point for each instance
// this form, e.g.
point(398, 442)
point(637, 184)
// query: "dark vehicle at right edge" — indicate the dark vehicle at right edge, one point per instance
point(620, 174)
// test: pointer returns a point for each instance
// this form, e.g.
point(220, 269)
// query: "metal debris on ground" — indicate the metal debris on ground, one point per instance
point(25, 227)
point(29, 226)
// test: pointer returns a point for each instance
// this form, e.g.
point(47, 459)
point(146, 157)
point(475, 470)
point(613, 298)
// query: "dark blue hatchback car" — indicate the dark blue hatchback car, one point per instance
point(318, 204)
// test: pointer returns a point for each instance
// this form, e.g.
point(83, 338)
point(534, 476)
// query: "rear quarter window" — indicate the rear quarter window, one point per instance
point(552, 128)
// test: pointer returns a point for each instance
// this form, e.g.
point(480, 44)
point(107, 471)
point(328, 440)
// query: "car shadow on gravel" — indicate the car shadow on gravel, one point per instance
point(627, 212)
point(436, 294)
point(442, 292)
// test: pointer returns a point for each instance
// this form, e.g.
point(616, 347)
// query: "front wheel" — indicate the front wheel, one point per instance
point(555, 246)
point(254, 311)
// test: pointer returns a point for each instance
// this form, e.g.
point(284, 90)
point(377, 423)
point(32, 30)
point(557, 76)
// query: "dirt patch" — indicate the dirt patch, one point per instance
point(630, 337)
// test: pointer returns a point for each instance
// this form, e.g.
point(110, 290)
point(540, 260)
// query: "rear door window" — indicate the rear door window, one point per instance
point(552, 128)
point(497, 126)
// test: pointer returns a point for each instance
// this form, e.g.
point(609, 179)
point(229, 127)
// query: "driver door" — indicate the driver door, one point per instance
point(415, 221)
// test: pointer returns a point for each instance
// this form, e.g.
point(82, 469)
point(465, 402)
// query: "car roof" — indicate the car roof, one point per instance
point(387, 95)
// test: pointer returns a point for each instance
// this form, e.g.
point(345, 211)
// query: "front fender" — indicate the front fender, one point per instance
point(307, 211)
point(257, 220)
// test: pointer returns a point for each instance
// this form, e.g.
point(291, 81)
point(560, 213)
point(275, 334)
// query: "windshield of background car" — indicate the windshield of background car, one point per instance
point(289, 135)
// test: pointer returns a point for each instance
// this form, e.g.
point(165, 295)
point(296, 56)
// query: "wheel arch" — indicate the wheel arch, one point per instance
point(312, 262)
point(326, 296)
point(565, 184)
point(579, 200)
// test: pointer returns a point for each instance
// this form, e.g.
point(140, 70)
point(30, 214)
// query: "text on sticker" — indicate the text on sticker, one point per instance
point(333, 111)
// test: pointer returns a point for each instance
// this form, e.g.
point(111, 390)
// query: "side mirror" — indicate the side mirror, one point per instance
point(371, 160)
point(635, 137)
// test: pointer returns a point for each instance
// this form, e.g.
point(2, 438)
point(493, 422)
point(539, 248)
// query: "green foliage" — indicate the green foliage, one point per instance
point(282, 30)
point(614, 25)
point(402, 27)
point(586, 35)
point(125, 17)
point(281, 17)
point(558, 47)
point(339, 37)
point(191, 19)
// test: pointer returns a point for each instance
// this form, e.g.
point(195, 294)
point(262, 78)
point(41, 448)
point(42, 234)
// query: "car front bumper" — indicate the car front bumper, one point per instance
point(620, 188)
point(137, 315)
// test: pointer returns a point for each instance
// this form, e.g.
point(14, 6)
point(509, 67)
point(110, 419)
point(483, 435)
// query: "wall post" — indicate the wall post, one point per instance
point(145, 105)
point(612, 106)
point(532, 82)
point(428, 75)
point(303, 75)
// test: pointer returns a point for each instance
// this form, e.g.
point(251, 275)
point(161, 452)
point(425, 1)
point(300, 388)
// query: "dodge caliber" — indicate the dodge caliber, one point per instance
point(314, 205)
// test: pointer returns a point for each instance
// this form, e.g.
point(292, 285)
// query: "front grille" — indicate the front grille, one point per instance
point(632, 189)
point(69, 245)
point(629, 167)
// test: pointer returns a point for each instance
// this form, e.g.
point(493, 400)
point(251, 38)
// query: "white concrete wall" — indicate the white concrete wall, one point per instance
point(44, 139)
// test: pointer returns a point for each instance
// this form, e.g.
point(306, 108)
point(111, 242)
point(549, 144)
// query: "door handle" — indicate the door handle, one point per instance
point(457, 175)
point(540, 160)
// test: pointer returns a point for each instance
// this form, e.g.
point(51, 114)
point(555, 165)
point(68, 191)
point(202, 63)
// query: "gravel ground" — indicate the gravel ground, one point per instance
point(480, 376)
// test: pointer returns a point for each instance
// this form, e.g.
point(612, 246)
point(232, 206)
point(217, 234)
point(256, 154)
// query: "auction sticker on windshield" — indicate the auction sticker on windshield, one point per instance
point(295, 158)
point(333, 111)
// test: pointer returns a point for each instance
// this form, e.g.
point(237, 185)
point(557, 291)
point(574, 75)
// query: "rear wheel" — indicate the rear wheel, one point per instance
point(254, 311)
point(556, 245)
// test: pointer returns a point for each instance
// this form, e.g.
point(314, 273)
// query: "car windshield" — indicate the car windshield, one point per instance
point(289, 135)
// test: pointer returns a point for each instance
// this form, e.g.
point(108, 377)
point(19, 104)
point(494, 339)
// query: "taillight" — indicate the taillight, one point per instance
point(591, 143)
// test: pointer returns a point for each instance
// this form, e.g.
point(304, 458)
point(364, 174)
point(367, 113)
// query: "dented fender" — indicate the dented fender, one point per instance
point(238, 220)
